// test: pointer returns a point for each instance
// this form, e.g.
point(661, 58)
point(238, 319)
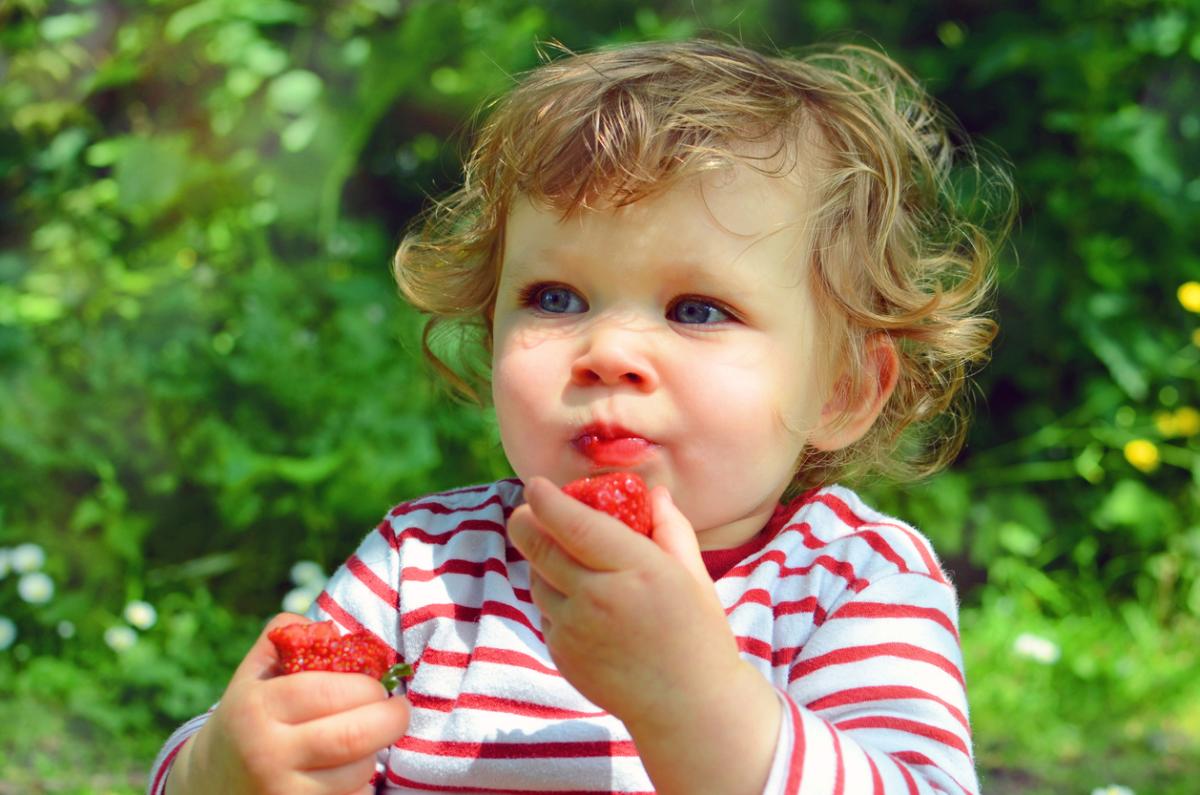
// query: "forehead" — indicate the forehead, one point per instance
point(714, 217)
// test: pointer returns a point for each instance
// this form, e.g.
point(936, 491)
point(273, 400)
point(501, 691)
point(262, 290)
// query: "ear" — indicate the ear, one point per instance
point(846, 417)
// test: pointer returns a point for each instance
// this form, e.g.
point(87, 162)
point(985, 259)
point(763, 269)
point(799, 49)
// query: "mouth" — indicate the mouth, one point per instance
point(612, 445)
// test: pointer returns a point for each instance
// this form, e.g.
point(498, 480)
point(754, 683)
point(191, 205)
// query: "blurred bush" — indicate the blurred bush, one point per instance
point(207, 377)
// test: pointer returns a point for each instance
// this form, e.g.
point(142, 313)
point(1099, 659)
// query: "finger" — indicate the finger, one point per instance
point(674, 534)
point(260, 661)
point(593, 538)
point(308, 695)
point(337, 740)
point(352, 778)
point(547, 600)
point(546, 558)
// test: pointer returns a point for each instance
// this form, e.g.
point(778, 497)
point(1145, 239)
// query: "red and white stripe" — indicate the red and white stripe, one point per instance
point(844, 610)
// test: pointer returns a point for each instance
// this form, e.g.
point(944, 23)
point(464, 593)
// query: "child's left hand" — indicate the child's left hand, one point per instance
point(634, 623)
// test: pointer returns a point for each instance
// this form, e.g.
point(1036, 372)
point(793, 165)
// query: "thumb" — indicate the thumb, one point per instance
point(674, 534)
point(259, 662)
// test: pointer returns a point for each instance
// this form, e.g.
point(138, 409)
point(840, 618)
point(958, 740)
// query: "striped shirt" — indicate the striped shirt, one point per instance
point(845, 611)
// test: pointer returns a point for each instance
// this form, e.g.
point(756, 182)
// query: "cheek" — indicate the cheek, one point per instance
point(749, 421)
point(798, 408)
point(748, 397)
point(522, 389)
point(727, 419)
point(522, 366)
point(511, 386)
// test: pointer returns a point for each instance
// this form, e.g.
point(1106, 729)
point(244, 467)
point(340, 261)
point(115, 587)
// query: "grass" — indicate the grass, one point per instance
point(1117, 704)
point(45, 748)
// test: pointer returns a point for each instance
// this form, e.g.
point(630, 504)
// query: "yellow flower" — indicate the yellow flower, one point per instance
point(1189, 296)
point(1186, 421)
point(1164, 421)
point(1142, 454)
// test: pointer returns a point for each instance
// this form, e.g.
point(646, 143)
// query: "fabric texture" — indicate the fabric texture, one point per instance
point(845, 611)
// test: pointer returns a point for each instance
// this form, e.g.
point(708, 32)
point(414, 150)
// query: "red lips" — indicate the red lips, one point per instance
point(612, 445)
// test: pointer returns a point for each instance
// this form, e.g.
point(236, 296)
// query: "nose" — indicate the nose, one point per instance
point(615, 357)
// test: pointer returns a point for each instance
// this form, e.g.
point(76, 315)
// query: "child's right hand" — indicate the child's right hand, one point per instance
point(309, 733)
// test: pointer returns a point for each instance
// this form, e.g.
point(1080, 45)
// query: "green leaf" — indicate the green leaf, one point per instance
point(63, 149)
point(1143, 135)
point(1161, 35)
point(306, 470)
point(297, 135)
point(65, 27)
point(1125, 371)
point(88, 513)
point(294, 91)
point(193, 17)
point(265, 59)
point(1134, 506)
point(1019, 540)
point(150, 174)
point(123, 534)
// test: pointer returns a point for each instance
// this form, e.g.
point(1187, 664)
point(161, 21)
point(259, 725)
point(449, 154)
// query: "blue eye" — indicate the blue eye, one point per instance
point(552, 299)
point(696, 311)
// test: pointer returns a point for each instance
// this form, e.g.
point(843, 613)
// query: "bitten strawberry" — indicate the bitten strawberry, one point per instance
point(620, 494)
point(319, 647)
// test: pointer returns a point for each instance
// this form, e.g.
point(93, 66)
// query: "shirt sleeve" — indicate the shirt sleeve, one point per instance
point(876, 699)
point(157, 783)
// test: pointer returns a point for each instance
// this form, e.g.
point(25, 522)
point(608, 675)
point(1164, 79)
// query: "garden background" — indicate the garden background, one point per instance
point(206, 376)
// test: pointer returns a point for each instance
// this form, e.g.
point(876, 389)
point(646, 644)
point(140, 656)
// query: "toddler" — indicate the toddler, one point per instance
point(742, 277)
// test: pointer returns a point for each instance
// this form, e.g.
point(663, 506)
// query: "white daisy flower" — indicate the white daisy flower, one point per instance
point(120, 637)
point(308, 572)
point(298, 600)
point(1036, 648)
point(140, 614)
point(1113, 789)
point(65, 629)
point(35, 588)
point(26, 557)
point(8, 632)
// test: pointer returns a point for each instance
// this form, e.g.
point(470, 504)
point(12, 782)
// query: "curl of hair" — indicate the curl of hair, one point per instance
point(908, 224)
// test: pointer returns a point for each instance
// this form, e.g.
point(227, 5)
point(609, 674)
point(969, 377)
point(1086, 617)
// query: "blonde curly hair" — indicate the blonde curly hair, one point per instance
point(909, 217)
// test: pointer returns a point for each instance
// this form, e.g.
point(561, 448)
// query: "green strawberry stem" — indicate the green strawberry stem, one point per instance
point(391, 679)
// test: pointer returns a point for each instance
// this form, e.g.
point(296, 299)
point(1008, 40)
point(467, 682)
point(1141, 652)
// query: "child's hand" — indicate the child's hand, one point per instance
point(308, 733)
point(633, 623)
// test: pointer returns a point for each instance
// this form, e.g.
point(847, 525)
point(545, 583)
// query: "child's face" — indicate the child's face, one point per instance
point(675, 337)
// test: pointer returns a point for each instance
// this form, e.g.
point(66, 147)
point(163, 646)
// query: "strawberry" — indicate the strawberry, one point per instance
point(620, 494)
point(319, 647)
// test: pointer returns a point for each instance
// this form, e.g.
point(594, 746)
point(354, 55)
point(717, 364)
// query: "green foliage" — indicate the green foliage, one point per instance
point(1060, 705)
point(207, 376)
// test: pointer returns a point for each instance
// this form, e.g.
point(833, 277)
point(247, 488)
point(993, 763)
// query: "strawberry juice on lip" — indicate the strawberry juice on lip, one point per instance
point(609, 449)
point(615, 452)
